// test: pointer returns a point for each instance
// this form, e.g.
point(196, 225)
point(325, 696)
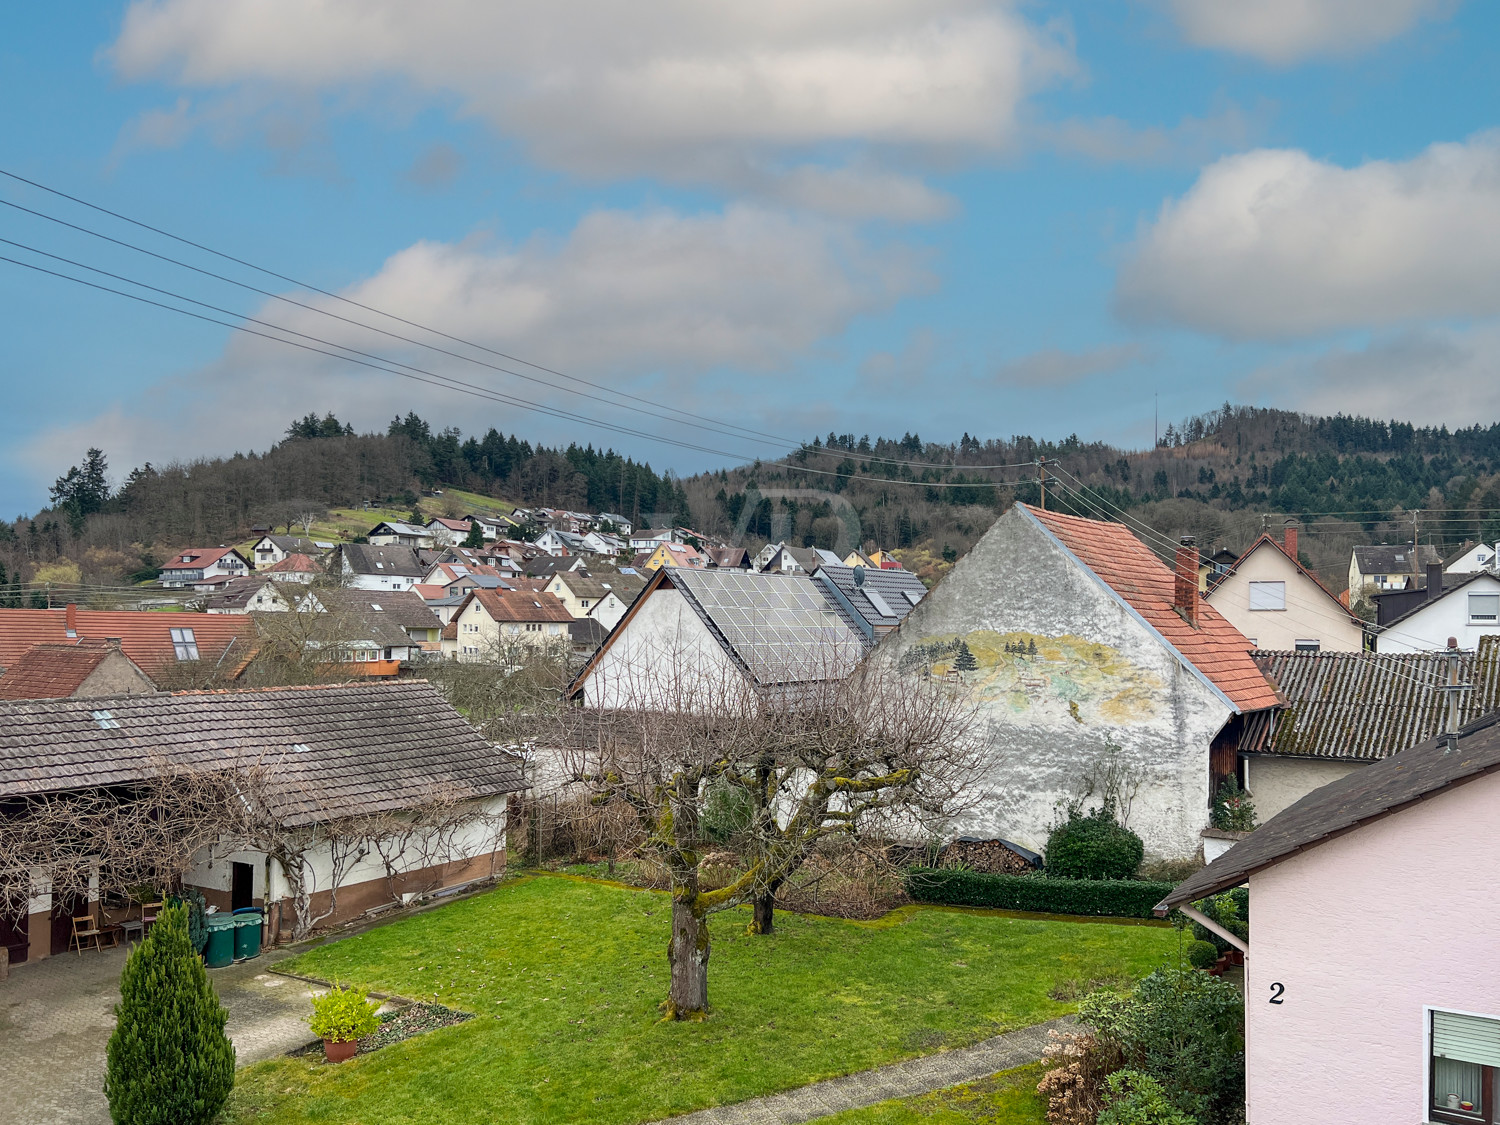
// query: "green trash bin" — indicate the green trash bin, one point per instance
point(247, 921)
point(220, 950)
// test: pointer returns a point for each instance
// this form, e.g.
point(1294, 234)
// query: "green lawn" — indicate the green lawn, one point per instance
point(1008, 1098)
point(566, 975)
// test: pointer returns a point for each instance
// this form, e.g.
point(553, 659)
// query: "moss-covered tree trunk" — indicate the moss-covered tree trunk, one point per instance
point(687, 953)
point(764, 919)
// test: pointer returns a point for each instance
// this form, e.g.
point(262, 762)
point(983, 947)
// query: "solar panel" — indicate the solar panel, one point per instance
point(878, 602)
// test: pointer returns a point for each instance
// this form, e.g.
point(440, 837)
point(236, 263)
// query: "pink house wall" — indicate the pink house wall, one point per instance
point(1366, 933)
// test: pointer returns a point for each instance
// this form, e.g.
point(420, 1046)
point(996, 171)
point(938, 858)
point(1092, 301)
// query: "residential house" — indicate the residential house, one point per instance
point(204, 568)
point(489, 622)
point(674, 554)
point(446, 532)
point(257, 592)
point(447, 579)
point(877, 600)
point(391, 627)
point(859, 558)
point(364, 749)
point(489, 555)
point(652, 538)
point(1344, 710)
point(729, 558)
point(1480, 556)
point(1270, 597)
point(586, 635)
point(1367, 985)
point(614, 524)
point(295, 567)
point(1212, 569)
point(1464, 607)
point(156, 642)
point(367, 566)
point(786, 559)
point(80, 669)
point(1380, 567)
point(586, 596)
point(558, 543)
point(1074, 638)
point(269, 550)
point(545, 566)
point(692, 632)
point(394, 533)
point(493, 527)
point(602, 543)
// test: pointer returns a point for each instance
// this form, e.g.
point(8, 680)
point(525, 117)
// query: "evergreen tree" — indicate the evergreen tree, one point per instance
point(475, 538)
point(965, 661)
point(169, 1061)
point(83, 491)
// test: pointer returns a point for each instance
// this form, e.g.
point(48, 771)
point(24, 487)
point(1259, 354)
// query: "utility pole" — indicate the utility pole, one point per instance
point(1416, 550)
point(1155, 419)
point(1042, 478)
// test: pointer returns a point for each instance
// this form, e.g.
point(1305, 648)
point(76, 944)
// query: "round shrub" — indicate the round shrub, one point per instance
point(1202, 954)
point(343, 1015)
point(1093, 847)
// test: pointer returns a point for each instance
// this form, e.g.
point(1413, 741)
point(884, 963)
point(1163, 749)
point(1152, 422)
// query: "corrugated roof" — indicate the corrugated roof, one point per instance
point(146, 637)
point(1128, 567)
point(1377, 789)
point(369, 746)
point(1364, 706)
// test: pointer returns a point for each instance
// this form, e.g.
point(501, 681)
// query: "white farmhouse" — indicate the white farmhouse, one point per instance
point(1268, 595)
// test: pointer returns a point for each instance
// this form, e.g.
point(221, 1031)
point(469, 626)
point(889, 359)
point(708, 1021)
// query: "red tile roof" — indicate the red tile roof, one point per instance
point(205, 557)
point(145, 636)
point(1128, 567)
point(53, 671)
point(451, 525)
point(294, 564)
point(519, 605)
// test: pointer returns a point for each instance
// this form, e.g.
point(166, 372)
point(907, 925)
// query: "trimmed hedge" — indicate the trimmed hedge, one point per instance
point(1116, 898)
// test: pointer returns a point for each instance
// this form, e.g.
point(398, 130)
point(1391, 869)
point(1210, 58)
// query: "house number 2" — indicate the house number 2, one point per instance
point(1277, 988)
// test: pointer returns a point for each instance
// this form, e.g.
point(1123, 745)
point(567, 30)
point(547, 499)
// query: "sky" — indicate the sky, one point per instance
point(718, 229)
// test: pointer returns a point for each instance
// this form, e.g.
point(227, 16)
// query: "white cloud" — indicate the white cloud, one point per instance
point(1054, 367)
point(1286, 31)
point(1191, 141)
point(700, 307)
point(1276, 244)
point(676, 88)
point(1429, 376)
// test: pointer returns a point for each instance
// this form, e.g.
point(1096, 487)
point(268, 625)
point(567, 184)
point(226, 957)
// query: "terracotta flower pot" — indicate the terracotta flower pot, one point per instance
point(336, 1051)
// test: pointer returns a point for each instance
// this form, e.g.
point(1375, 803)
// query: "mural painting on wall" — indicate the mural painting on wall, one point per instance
point(1044, 678)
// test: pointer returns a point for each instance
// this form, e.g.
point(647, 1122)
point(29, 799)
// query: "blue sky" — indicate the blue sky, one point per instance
point(859, 215)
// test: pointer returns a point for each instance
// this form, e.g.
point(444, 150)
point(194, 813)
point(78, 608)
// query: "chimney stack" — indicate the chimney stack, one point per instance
point(1185, 582)
point(1290, 540)
point(1434, 581)
point(70, 619)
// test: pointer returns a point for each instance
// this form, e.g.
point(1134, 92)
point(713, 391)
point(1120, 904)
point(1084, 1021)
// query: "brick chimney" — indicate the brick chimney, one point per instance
point(1185, 583)
point(70, 619)
point(1434, 581)
point(1290, 540)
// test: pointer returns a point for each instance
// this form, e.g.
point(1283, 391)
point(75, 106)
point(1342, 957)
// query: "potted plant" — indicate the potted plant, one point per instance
point(341, 1018)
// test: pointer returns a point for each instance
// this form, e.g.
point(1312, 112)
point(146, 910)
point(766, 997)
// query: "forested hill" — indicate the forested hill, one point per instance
point(1222, 476)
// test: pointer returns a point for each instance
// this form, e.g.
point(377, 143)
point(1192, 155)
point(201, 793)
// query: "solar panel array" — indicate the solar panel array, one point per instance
point(784, 628)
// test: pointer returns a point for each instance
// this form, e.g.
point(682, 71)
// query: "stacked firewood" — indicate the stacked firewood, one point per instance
point(995, 857)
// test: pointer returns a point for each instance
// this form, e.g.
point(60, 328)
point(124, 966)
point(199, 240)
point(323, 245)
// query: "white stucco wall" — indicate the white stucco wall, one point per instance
point(1017, 585)
point(1366, 933)
point(1429, 629)
point(1278, 783)
point(665, 657)
point(1310, 614)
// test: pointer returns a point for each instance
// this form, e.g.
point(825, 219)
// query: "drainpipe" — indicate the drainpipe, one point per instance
point(1213, 927)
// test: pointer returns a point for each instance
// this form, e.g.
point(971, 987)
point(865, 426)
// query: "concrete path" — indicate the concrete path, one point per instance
point(900, 1080)
point(56, 1017)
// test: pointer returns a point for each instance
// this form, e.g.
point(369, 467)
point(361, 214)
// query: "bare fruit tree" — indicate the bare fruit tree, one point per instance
point(818, 757)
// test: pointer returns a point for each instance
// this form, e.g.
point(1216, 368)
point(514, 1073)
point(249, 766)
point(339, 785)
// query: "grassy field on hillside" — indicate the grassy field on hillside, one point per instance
point(566, 975)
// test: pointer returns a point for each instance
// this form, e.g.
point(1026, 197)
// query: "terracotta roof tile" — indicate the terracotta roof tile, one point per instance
point(145, 636)
point(53, 671)
point(1128, 567)
point(293, 564)
point(519, 605)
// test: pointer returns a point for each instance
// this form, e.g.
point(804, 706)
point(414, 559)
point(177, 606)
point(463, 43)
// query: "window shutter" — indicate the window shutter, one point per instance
point(1470, 1039)
point(1267, 595)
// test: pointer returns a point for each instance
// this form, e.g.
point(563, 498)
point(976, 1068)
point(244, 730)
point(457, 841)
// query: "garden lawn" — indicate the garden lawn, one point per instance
point(566, 974)
point(1008, 1098)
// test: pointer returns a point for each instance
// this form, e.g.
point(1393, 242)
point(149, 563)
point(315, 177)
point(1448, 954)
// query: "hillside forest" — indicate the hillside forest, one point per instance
point(1223, 477)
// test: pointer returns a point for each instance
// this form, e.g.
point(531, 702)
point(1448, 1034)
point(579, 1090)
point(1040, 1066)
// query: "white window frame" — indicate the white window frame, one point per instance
point(1268, 593)
point(184, 644)
point(1484, 618)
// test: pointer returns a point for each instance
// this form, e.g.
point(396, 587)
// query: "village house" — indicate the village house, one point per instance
point(447, 533)
point(558, 543)
point(1074, 638)
point(80, 669)
point(730, 558)
point(395, 533)
point(489, 623)
point(295, 567)
point(877, 600)
point(1464, 607)
point(1270, 597)
point(1480, 556)
point(1380, 567)
point(690, 632)
point(269, 550)
point(399, 621)
point(256, 592)
point(157, 642)
point(545, 566)
point(604, 599)
point(602, 543)
point(651, 538)
point(613, 524)
point(674, 554)
point(785, 559)
point(1367, 991)
point(330, 761)
point(493, 527)
point(202, 569)
point(366, 566)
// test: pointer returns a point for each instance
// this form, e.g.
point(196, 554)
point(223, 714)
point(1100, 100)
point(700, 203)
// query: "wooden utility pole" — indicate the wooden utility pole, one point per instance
point(1042, 479)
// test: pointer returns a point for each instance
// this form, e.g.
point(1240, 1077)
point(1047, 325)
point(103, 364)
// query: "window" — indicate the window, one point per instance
point(1484, 609)
point(184, 644)
point(1267, 595)
point(555, 630)
point(1308, 646)
point(1465, 1055)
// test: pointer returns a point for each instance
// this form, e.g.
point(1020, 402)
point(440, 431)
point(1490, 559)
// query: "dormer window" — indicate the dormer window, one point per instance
point(184, 644)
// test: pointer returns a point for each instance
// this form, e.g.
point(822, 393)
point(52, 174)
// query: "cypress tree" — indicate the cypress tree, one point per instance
point(169, 1061)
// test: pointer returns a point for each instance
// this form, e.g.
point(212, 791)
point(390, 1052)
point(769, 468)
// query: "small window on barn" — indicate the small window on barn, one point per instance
point(1484, 609)
point(184, 644)
point(1267, 595)
point(1465, 1058)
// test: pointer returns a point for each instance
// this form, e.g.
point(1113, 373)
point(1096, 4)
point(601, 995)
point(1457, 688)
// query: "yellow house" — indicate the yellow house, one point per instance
point(674, 554)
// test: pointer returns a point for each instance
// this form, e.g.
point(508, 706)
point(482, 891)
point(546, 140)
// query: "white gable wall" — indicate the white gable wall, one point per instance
point(1123, 683)
point(665, 657)
point(1429, 628)
point(1309, 613)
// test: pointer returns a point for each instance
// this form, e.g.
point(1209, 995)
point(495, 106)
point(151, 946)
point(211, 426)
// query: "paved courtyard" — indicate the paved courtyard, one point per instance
point(56, 1017)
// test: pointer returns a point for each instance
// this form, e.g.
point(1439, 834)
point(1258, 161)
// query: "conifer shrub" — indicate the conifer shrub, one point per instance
point(169, 1061)
point(1093, 845)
